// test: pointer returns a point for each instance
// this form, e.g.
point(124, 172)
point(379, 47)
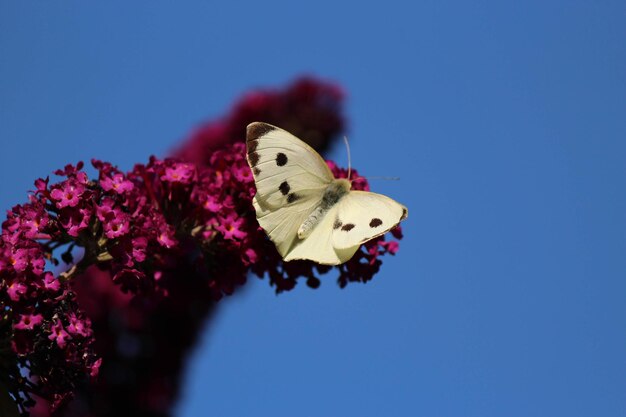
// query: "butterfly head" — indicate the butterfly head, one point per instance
point(342, 184)
point(334, 192)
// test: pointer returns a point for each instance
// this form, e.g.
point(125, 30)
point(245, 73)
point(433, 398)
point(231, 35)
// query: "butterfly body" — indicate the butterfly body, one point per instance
point(304, 209)
point(333, 193)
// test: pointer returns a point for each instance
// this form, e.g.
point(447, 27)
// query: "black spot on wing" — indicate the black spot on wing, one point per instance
point(405, 213)
point(284, 187)
point(375, 222)
point(337, 224)
point(253, 159)
point(292, 197)
point(257, 129)
point(256, 171)
point(281, 159)
point(347, 227)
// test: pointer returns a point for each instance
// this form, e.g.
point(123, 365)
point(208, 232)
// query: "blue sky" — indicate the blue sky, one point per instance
point(506, 122)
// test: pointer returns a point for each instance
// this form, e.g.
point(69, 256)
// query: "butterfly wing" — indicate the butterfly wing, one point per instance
point(285, 168)
point(361, 216)
point(318, 246)
point(290, 179)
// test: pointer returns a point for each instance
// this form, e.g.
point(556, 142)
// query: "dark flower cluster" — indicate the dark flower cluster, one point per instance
point(168, 239)
point(307, 108)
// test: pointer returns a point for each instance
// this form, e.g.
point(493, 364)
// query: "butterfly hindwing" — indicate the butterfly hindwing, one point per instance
point(318, 246)
point(281, 224)
point(362, 215)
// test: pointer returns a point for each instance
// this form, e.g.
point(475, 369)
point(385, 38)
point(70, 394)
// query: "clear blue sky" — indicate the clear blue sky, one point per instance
point(506, 122)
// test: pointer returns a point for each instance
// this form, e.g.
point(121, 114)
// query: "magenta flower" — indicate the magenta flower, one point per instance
point(19, 260)
point(59, 334)
point(68, 193)
point(15, 290)
point(74, 220)
point(28, 321)
point(72, 171)
point(243, 174)
point(94, 369)
point(231, 227)
point(79, 327)
point(32, 221)
point(106, 210)
point(41, 184)
point(127, 252)
point(182, 173)
point(139, 245)
point(34, 258)
point(117, 183)
point(50, 283)
point(166, 238)
point(118, 226)
point(211, 202)
point(391, 246)
point(250, 256)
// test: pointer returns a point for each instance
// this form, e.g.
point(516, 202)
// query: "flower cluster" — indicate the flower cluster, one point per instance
point(168, 239)
point(155, 209)
point(44, 331)
point(145, 344)
point(308, 108)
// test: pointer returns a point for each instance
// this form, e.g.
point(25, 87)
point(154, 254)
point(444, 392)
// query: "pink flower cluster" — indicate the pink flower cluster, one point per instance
point(171, 234)
point(144, 342)
point(155, 209)
point(47, 333)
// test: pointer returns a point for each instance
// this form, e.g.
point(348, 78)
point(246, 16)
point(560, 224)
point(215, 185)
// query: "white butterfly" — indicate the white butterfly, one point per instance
point(305, 210)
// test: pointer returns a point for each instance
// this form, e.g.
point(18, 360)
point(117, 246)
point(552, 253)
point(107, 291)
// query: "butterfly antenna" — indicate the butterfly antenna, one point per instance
point(382, 178)
point(345, 140)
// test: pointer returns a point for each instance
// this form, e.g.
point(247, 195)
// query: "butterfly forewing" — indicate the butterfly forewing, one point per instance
point(290, 179)
point(283, 166)
point(361, 216)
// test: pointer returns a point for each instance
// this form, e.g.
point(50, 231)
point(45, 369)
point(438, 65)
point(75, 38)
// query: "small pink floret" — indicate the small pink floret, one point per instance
point(16, 290)
point(117, 183)
point(28, 321)
point(59, 334)
point(182, 173)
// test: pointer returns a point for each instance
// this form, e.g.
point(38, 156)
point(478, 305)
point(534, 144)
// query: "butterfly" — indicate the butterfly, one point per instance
point(304, 209)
